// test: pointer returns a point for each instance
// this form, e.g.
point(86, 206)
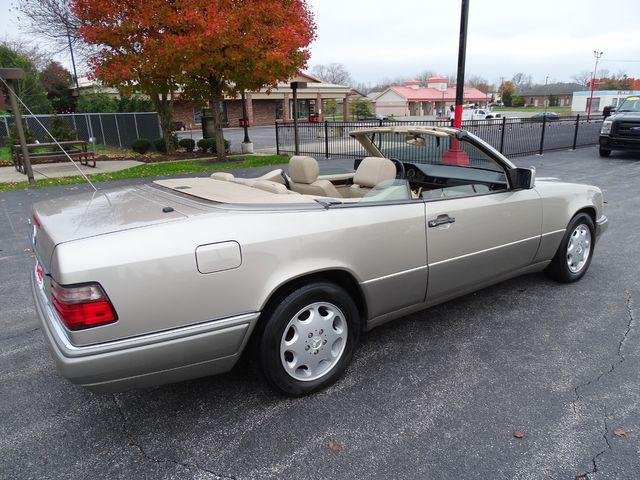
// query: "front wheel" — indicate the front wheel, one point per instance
point(603, 152)
point(573, 257)
point(308, 339)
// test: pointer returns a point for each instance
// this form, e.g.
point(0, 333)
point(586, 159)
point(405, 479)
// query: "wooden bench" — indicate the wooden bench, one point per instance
point(76, 149)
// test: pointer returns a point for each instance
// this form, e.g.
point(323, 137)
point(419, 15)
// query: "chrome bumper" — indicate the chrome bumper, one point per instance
point(601, 225)
point(164, 357)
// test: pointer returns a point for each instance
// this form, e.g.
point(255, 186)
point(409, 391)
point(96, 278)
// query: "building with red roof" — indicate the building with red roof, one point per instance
point(414, 100)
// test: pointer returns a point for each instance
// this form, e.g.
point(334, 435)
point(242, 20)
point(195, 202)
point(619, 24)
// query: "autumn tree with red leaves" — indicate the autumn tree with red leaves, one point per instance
point(242, 45)
point(205, 49)
point(135, 50)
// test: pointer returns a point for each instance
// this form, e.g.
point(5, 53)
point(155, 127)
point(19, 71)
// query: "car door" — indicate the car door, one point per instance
point(475, 238)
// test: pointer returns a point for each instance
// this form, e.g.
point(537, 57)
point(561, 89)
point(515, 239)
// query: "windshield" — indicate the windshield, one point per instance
point(630, 104)
point(425, 149)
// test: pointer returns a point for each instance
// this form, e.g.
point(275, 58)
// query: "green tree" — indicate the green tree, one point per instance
point(96, 103)
point(553, 100)
point(330, 107)
point(30, 88)
point(361, 107)
point(60, 130)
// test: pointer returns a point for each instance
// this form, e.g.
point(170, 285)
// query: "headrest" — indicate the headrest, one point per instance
point(269, 186)
point(223, 176)
point(303, 169)
point(373, 170)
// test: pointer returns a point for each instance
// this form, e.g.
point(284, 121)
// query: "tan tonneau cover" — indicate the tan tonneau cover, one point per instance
point(229, 192)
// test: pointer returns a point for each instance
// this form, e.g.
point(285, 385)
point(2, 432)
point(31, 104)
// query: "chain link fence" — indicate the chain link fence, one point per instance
point(511, 136)
point(112, 129)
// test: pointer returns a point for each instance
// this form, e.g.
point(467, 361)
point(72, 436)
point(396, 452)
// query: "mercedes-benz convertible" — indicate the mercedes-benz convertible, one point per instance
point(151, 284)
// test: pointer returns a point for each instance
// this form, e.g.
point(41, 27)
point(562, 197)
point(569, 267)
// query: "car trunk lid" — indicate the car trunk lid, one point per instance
point(85, 215)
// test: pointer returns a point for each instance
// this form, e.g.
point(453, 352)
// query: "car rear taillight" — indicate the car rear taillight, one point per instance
point(82, 306)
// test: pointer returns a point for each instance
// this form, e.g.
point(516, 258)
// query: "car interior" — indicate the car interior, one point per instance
point(413, 166)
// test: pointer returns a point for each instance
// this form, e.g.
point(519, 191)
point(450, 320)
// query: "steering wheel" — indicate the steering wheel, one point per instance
point(401, 170)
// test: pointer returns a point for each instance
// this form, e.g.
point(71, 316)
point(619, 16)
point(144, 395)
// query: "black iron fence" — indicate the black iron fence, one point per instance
point(113, 129)
point(511, 136)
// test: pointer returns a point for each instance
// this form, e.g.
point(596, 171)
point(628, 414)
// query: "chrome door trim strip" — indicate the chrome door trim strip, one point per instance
point(391, 275)
point(536, 237)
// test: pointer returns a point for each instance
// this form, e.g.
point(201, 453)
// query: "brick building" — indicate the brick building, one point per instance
point(537, 95)
point(266, 107)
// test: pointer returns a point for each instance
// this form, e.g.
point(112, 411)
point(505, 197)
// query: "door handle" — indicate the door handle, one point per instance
point(441, 220)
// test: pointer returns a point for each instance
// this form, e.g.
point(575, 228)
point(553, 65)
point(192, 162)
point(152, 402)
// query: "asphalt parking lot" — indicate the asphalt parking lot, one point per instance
point(437, 394)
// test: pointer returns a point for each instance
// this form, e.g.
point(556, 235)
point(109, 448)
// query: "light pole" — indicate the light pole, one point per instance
point(462, 54)
point(546, 94)
point(596, 54)
point(455, 155)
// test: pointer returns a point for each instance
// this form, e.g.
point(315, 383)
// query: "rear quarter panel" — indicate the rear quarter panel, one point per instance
point(151, 275)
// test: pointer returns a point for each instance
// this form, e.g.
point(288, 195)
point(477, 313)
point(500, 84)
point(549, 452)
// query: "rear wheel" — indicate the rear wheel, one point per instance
point(308, 339)
point(573, 257)
point(603, 152)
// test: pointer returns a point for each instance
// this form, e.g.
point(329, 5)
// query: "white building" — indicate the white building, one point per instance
point(601, 99)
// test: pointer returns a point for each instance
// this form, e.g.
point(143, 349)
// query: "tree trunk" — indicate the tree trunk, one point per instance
point(216, 110)
point(164, 108)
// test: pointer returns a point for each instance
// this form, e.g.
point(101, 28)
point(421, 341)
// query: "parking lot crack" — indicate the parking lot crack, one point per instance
point(136, 446)
point(619, 353)
point(619, 360)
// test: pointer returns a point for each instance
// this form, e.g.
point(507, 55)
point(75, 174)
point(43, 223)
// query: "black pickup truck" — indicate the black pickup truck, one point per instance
point(621, 131)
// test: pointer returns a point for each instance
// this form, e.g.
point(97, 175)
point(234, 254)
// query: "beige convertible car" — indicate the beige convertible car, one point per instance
point(144, 285)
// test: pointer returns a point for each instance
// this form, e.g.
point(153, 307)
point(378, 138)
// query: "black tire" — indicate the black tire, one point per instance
point(559, 269)
point(272, 328)
point(603, 152)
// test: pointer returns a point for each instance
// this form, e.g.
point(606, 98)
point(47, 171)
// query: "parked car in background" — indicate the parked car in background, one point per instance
point(549, 116)
point(477, 114)
point(150, 284)
point(621, 131)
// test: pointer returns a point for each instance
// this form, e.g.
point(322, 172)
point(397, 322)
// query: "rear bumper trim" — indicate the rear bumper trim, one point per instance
point(179, 354)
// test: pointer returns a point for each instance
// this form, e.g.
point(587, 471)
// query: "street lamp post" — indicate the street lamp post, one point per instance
point(455, 155)
point(596, 54)
point(546, 95)
point(462, 54)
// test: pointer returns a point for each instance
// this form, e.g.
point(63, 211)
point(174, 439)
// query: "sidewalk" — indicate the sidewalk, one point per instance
point(57, 170)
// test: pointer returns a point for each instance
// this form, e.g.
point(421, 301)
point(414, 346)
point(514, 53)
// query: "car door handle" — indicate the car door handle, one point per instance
point(441, 220)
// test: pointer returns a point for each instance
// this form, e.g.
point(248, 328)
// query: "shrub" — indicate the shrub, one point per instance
point(13, 134)
point(517, 102)
point(160, 146)
point(187, 143)
point(60, 130)
point(209, 145)
point(141, 146)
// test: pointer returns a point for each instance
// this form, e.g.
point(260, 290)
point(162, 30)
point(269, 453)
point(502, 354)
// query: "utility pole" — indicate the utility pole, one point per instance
point(73, 61)
point(10, 76)
point(596, 54)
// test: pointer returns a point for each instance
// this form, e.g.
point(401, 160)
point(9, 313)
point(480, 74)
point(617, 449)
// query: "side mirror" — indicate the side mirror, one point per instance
point(522, 178)
point(608, 111)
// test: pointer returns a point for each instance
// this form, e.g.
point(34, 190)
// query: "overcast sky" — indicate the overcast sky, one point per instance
point(378, 39)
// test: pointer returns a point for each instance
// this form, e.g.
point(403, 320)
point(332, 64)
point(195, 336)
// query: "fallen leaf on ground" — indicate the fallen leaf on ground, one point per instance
point(334, 446)
point(620, 433)
point(518, 434)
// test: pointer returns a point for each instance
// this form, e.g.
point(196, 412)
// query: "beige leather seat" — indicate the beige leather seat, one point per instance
point(303, 174)
point(370, 172)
